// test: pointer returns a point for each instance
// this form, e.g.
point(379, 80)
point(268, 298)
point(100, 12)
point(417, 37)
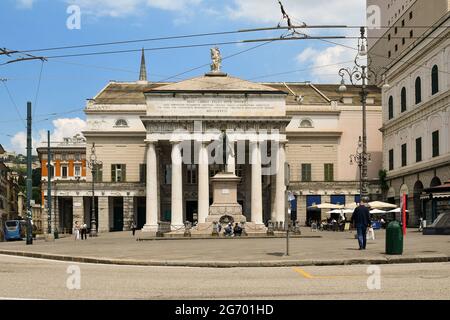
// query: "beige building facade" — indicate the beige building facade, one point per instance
point(416, 109)
point(151, 137)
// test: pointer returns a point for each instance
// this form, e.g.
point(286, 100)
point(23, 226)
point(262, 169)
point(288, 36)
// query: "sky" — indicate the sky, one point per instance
point(59, 87)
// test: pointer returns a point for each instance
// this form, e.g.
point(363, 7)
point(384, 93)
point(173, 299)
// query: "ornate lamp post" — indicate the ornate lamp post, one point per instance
point(360, 158)
point(93, 164)
point(359, 76)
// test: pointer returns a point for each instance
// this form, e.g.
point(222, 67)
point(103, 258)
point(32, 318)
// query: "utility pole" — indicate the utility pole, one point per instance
point(49, 188)
point(29, 176)
point(287, 220)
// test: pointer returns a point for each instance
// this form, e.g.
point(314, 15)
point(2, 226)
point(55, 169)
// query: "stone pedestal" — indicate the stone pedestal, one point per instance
point(225, 207)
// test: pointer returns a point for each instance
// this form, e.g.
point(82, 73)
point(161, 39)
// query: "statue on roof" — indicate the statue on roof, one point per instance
point(216, 59)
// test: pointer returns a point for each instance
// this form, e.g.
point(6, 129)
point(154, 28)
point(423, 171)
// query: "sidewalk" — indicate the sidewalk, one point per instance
point(312, 248)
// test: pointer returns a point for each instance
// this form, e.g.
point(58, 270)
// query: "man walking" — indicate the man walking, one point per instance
point(361, 220)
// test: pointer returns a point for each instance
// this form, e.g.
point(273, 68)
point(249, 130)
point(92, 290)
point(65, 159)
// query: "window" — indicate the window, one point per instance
point(77, 171)
point(396, 47)
point(418, 149)
point(404, 155)
point(411, 34)
point(391, 159)
point(395, 29)
point(64, 171)
point(168, 174)
point(142, 173)
point(389, 37)
point(306, 172)
point(418, 87)
point(391, 107)
point(191, 174)
point(403, 22)
point(328, 172)
point(98, 173)
point(121, 123)
point(306, 123)
point(403, 41)
point(52, 171)
point(410, 15)
point(435, 142)
point(118, 172)
point(435, 80)
point(389, 54)
point(403, 100)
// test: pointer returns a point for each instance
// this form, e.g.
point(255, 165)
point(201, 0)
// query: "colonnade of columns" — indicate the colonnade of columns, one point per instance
point(152, 211)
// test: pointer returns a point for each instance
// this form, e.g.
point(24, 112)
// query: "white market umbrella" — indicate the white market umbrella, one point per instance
point(397, 210)
point(377, 211)
point(326, 206)
point(352, 205)
point(381, 205)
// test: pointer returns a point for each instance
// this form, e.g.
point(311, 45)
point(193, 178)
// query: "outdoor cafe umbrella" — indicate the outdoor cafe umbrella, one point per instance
point(377, 211)
point(325, 206)
point(380, 204)
point(397, 210)
point(352, 205)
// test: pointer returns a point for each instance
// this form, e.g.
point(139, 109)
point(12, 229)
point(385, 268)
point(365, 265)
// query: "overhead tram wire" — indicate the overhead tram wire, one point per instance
point(191, 46)
point(14, 103)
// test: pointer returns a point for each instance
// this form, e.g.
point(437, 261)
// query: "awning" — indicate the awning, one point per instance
point(441, 195)
point(435, 196)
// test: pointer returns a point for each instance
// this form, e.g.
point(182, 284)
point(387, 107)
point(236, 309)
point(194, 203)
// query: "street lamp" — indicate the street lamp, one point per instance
point(93, 164)
point(359, 158)
point(358, 77)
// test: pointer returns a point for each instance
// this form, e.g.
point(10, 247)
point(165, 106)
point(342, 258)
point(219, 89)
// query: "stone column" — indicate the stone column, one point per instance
point(152, 209)
point(103, 214)
point(78, 210)
point(177, 186)
point(128, 212)
point(256, 210)
point(203, 183)
point(280, 188)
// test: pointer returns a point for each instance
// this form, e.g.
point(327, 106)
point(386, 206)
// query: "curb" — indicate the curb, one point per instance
point(232, 264)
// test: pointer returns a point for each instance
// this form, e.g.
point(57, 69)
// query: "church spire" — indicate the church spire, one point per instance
point(143, 72)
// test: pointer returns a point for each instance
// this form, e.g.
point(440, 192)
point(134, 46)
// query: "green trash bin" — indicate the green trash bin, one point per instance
point(394, 238)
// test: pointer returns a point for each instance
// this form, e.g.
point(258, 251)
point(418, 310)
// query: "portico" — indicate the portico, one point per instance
point(190, 118)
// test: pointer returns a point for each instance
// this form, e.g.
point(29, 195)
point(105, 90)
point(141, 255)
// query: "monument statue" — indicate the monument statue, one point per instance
point(216, 60)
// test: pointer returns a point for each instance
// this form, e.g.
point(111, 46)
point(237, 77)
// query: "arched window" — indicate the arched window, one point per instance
point(418, 90)
point(391, 107)
point(434, 80)
point(306, 123)
point(121, 123)
point(403, 100)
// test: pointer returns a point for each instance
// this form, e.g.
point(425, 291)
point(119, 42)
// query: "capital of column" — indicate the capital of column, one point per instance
point(151, 141)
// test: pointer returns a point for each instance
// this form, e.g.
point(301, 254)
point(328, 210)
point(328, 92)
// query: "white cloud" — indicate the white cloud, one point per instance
point(123, 8)
point(67, 127)
point(25, 4)
point(326, 62)
point(63, 127)
point(317, 12)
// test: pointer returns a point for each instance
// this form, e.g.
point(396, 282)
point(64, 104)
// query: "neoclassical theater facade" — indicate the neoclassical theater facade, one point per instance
point(162, 145)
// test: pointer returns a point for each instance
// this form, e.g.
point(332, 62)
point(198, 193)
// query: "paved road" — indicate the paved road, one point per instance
point(46, 279)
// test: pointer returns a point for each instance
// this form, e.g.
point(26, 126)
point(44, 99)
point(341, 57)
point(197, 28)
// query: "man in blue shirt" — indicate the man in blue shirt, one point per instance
point(361, 220)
